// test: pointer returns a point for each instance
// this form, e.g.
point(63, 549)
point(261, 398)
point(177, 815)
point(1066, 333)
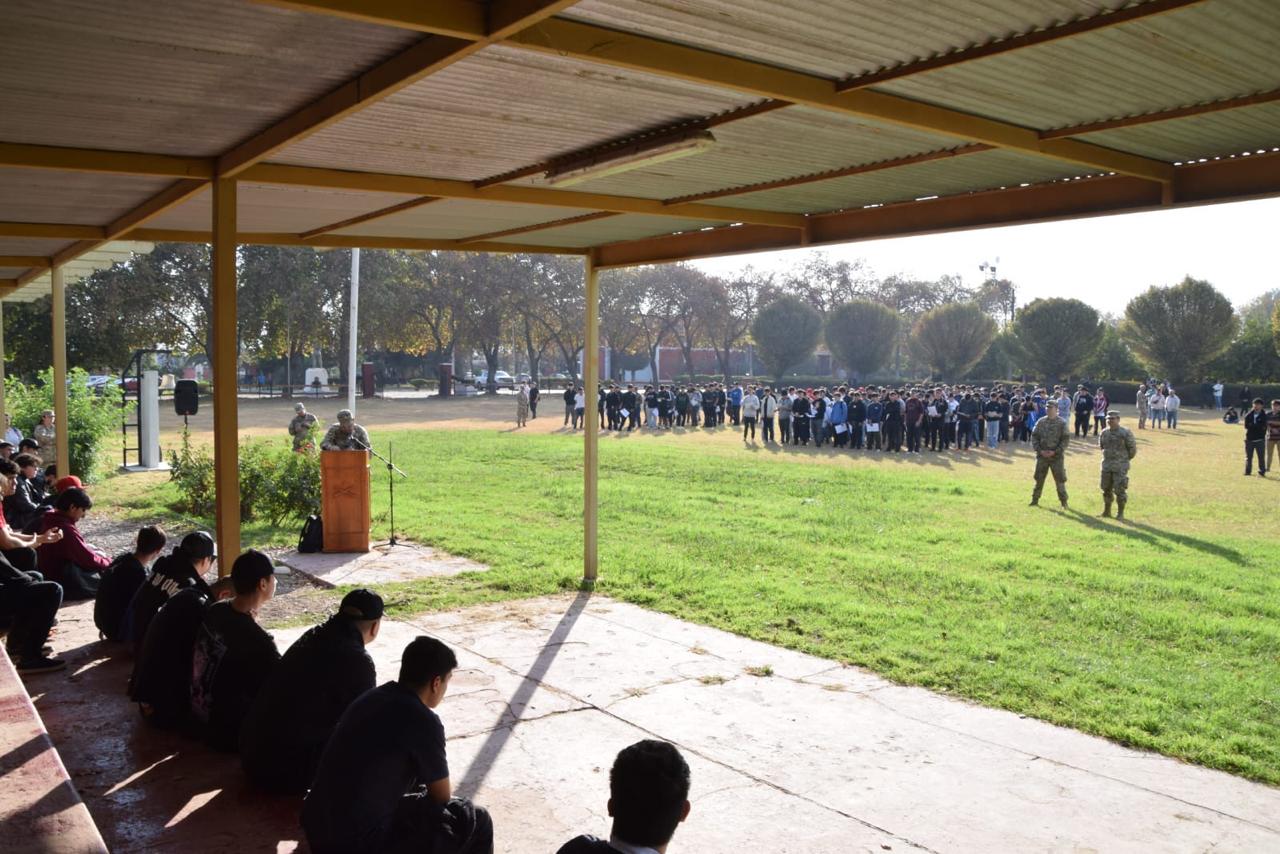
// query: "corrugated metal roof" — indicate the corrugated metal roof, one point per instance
point(270, 207)
point(12, 272)
point(611, 230)
point(1209, 135)
point(983, 171)
point(834, 38)
point(453, 219)
point(1213, 50)
point(783, 144)
point(25, 246)
point(503, 109)
point(73, 271)
point(78, 198)
point(187, 77)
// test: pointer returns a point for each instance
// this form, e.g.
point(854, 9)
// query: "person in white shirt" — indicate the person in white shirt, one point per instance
point(579, 408)
point(1157, 409)
point(749, 409)
point(1217, 395)
point(1172, 403)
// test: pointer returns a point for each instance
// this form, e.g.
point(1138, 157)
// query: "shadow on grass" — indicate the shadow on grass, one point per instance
point(1155, 536)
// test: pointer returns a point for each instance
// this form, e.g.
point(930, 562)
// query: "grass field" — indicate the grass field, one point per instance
point(1163, 632)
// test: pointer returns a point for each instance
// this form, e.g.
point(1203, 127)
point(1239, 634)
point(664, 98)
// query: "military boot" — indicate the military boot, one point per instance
point(1106, 510)
point(1120, 508)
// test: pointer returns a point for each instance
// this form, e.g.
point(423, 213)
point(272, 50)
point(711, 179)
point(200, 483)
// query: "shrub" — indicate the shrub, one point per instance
point(276, 483)
point(93, 415)
point(419, 383)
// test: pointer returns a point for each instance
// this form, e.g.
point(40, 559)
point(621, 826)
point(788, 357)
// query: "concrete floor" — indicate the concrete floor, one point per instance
point(815, 757)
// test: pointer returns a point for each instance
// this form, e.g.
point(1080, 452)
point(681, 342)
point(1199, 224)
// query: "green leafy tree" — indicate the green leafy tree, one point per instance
point(1251, 358)
point(862, 335)
point(1004, 359)
point(1112, 359)
point(1057, 335)
point(952, 338)
point(1179, 329)
point(94, 415)
point(785, 332)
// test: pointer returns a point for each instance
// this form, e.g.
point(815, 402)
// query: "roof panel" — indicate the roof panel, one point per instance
point(454, 219)
point(270, 207)
point(971, 172)
point(12, 272)
point(834, 38)
point(189, 77)
point(1208, 135)
point(97, 259)
point(458, 124)
point(78, 198)
point(1213, 50)
point(611, 230)
point(768, 147)
point(25, 246)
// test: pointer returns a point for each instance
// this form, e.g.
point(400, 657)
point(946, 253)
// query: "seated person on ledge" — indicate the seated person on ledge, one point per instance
point(648, 797)
point(383, 783)
point(28, 603)
point(233, 656)
point(128, 572)
point(184, 567)
point(70, 561)
point(24, 508)
point(319, 677)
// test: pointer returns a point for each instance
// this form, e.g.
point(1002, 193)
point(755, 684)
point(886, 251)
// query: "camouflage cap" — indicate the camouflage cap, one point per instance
point(345, 415)
point(1111, 413)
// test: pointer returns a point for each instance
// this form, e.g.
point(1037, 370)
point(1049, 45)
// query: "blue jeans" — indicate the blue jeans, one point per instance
point(1217, 401)
point(993, 433)
point(1172, 416)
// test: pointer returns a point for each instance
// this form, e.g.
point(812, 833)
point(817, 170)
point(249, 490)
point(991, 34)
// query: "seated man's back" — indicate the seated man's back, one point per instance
point(183, 568)
point(290, 722)
point(383, 781)
point(161, 680)
point(233, 655)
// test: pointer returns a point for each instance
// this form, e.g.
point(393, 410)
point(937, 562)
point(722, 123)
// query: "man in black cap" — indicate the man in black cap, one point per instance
point(233, 656)
point(318, 678)
point(383, 782)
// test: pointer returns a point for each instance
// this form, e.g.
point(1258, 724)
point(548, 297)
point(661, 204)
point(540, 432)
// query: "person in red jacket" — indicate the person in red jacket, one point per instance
point(71, 561)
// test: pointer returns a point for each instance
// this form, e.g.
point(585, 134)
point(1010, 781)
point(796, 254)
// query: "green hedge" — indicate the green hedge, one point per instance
point(93, 415)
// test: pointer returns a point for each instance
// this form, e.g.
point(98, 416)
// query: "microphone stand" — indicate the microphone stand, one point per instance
point(392, 471)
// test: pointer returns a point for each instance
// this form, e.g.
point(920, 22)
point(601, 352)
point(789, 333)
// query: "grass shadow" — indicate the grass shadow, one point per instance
point(1155, 536)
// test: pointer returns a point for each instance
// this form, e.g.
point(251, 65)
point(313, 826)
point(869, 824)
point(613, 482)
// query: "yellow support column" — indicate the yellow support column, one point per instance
point(591, 445)
point(60, 371)
point(226, 445)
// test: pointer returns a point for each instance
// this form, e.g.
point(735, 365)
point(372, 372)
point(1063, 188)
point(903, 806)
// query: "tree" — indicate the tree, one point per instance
point(729, 310)
point(1251, 358)
point(692, 299)
point(785, 332)
point(1112, 359)
point(952, 338)
point(1004, 359)
point(862, 335)
point(825, 284)
point(1179, 329)
point(1057, 335)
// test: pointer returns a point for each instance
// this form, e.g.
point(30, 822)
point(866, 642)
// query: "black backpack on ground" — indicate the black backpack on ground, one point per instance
point(312, 538)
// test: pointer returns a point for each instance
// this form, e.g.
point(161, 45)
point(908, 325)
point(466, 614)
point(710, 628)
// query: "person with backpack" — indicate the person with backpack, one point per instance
point(121, 581)
point(293, 716)
point(184, 567)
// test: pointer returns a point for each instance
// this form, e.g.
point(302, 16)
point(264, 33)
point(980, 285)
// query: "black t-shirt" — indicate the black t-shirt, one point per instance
point(119, 584)
point(295, 713)
point(587, 845)
point(232, 659)
point(171, 573)
point(162, 670)
point(386, 744)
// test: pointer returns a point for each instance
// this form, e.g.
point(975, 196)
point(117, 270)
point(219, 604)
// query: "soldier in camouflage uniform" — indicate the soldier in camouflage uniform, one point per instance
point(1118, 447)
point(1050, 439)
point(346, 435)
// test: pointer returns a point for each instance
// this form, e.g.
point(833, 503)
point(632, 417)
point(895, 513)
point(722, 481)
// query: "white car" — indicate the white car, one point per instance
point(500, 378)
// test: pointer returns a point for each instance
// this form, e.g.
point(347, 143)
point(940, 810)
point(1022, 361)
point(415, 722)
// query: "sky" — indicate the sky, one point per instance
point(1104, 261)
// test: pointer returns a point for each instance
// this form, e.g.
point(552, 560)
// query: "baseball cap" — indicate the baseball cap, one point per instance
point(361, 604)
point(198, 545)
point(62, 484)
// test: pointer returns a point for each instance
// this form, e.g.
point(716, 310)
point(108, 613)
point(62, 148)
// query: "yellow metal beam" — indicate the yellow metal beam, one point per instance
point(25, 261)
point(411, 65)
point(99, 160)
point(561, 37)
point(61, 424)
point(52, 231)
point(226, 426)
point(350, 241)
point(307, 176)
point(591, 429)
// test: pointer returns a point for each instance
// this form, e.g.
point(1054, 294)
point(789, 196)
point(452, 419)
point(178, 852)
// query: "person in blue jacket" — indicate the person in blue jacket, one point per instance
point(735, 404)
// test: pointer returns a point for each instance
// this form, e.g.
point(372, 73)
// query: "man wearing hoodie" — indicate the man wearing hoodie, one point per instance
point(70, 561)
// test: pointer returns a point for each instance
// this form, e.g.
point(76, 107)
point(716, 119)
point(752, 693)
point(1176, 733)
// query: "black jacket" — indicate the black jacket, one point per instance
point(1255, 426)
point(292, 718)
point(27, 504)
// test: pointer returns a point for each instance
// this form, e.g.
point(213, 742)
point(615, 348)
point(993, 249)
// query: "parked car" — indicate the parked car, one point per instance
point(501, 379)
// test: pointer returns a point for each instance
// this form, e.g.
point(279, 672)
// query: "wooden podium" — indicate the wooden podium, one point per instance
point(344, 500)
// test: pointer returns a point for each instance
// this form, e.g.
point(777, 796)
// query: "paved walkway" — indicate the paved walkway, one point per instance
point(814, 757)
